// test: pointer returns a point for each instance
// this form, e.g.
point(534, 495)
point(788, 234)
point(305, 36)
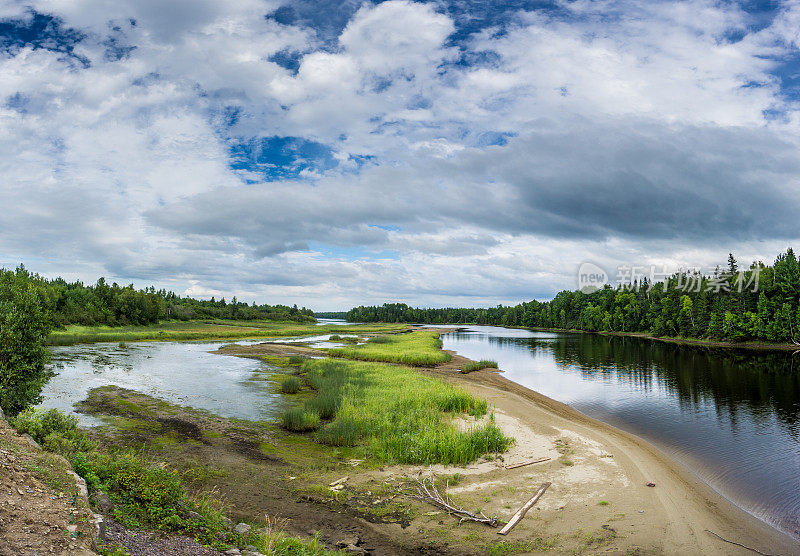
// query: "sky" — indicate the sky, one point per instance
point(447, 153)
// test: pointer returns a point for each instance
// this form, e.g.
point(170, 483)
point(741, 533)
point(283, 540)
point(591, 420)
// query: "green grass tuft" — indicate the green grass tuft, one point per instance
point(300, 420)
point(290, 385)
point(478, 365)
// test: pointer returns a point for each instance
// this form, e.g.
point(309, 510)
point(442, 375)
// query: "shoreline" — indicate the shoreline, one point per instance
point(678, 516)
point(492, 383)
point(710, 507)
point(694, 342)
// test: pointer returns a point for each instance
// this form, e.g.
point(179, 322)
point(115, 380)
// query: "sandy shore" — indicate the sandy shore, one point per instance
point(674, 517)
point(599, 500)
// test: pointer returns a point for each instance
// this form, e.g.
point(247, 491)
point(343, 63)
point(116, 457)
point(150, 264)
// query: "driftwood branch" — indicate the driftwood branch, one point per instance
point(425, 489)
point(524, 464)
point(720, 537)
point(523, 510)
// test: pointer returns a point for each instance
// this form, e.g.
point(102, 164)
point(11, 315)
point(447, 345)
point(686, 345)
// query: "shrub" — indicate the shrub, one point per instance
point(53, 430)
point(296, 359)
point(142, 494)
point(334, 338)
point(300, 420)
point(290, 385)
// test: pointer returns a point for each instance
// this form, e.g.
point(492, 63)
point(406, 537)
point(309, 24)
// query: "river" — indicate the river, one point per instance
point(731, 417)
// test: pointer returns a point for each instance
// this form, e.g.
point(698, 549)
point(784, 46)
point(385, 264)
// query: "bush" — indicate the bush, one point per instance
point(296, 359)
point(334, 338)
point(290, 385)
point(300, 420)
point(142, 494)
point(53, 430)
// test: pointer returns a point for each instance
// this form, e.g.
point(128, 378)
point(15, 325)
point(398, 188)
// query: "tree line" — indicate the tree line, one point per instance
point(755, 303)
point(112, 304)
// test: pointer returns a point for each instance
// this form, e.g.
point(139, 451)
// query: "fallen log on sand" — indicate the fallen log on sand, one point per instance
point(523, 510)
point(523, 464)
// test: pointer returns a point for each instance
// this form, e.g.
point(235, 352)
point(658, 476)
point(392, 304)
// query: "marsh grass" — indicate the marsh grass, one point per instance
point(200, 330)
point(396, 413)
point(290, 385)
point(478, 365)
point(421, 348)
point(300, 420)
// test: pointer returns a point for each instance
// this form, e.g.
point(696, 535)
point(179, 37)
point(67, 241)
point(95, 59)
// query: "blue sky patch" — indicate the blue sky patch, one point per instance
point(278, 158)
point(42, 31)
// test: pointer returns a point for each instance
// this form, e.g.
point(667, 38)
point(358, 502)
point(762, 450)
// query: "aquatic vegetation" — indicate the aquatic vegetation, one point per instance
point(290, 385)
point(397, 414)
point(422, 348)
point(300, 420)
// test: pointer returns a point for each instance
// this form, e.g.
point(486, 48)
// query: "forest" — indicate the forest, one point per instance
point(755, 303)
point(115, 305)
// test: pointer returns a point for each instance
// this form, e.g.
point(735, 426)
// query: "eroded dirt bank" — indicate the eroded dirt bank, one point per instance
point(42, 510)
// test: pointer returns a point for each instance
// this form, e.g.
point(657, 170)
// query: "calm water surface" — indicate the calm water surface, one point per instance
point(730, 417)
point(184, 373)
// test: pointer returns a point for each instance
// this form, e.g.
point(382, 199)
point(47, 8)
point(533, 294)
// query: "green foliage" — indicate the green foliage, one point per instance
point(334, 338)
point(24, 325)
point(149, 495)
point(720, 306)
point(296, 359)
point(53, 430)
point(290, 385)
point(396, 413)
point(116, 305)
point(423, 348)
point(143, 494)
point(478, 365)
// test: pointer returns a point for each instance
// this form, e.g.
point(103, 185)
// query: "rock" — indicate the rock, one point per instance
point(99, 526)
point(80, 484)
point(31, 441)
point(347, 541)
point(353, 549)
point(233, 552)
point(242, 529)
point(2, 415)
point(101, 501)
